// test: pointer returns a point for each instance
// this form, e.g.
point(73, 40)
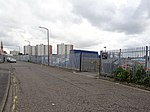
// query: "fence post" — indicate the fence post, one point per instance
point(149, 59)
point(81, 61)
point(119, 57)
point(100, 64)
point(146, 58)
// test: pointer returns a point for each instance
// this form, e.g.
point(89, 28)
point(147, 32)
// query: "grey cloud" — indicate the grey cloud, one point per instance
point(3, 34)
point(132, 26)
point(11, 43)
point(130, 20)
point(52, 11)
point(129, 44)
point(93, 11)
point(24, 15)
point(77, 41)
point(9, 22)
point(8, 39)
point(86, 44)
point(143, 10)
point(16, 15)
point(81, 43)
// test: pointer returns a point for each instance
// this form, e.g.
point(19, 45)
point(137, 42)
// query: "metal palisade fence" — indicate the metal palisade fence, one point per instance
point(1, 58)
point(73, 61)
point(109, 61)
point(125, 58)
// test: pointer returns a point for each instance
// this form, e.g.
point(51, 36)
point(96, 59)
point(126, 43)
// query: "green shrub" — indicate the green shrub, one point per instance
point(121, 74)
point(146, 81)
point(127, 75)
point(140, 73)
point(130, 77)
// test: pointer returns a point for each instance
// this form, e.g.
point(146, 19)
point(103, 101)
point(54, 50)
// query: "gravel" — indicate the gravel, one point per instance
point(46, 89)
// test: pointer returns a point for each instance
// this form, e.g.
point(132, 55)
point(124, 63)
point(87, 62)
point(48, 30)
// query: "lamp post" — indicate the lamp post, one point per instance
point(27, 41)
point(105, 48)
point(47, 40)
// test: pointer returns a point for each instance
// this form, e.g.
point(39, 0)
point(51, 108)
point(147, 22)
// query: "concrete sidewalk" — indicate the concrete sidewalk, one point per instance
point(4, 83)
point(104, 77)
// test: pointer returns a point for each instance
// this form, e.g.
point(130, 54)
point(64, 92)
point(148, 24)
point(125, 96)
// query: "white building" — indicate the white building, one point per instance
point(68, 48)
point(39, 50)
point(46, 50)
point(33, 50)
point(42, 50)
point(27, 50)
point(64, 49)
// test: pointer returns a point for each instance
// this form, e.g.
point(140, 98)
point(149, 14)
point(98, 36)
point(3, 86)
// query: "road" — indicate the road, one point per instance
point(49, 89)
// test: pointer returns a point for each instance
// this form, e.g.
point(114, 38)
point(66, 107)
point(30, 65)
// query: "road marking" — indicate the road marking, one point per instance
point(14, 100)
point(14, 103)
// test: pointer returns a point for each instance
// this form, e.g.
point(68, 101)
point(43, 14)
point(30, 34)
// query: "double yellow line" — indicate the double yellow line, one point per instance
point(14, 94)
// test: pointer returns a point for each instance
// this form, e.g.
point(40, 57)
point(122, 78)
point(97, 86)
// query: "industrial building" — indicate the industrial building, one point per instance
point(33, 50)
point(42, 50)
point(64, 49)
point(38, 50)
point(27, 50)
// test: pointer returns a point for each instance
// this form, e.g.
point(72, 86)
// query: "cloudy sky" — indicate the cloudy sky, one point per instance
point(87, 24)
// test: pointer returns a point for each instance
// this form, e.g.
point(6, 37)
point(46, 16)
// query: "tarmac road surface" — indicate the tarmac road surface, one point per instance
point(48, 89)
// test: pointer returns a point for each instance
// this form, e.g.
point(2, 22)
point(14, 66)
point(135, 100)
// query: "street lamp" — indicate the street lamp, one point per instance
point(27, 41)
point(105, 48)
point(47, 40)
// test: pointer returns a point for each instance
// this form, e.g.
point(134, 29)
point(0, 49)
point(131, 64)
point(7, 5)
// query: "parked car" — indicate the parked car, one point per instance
point(8, 59)
point(11, 60)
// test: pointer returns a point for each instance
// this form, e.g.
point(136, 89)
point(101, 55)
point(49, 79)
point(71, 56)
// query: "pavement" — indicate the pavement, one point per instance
point(4, 83)
point(95, 75)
